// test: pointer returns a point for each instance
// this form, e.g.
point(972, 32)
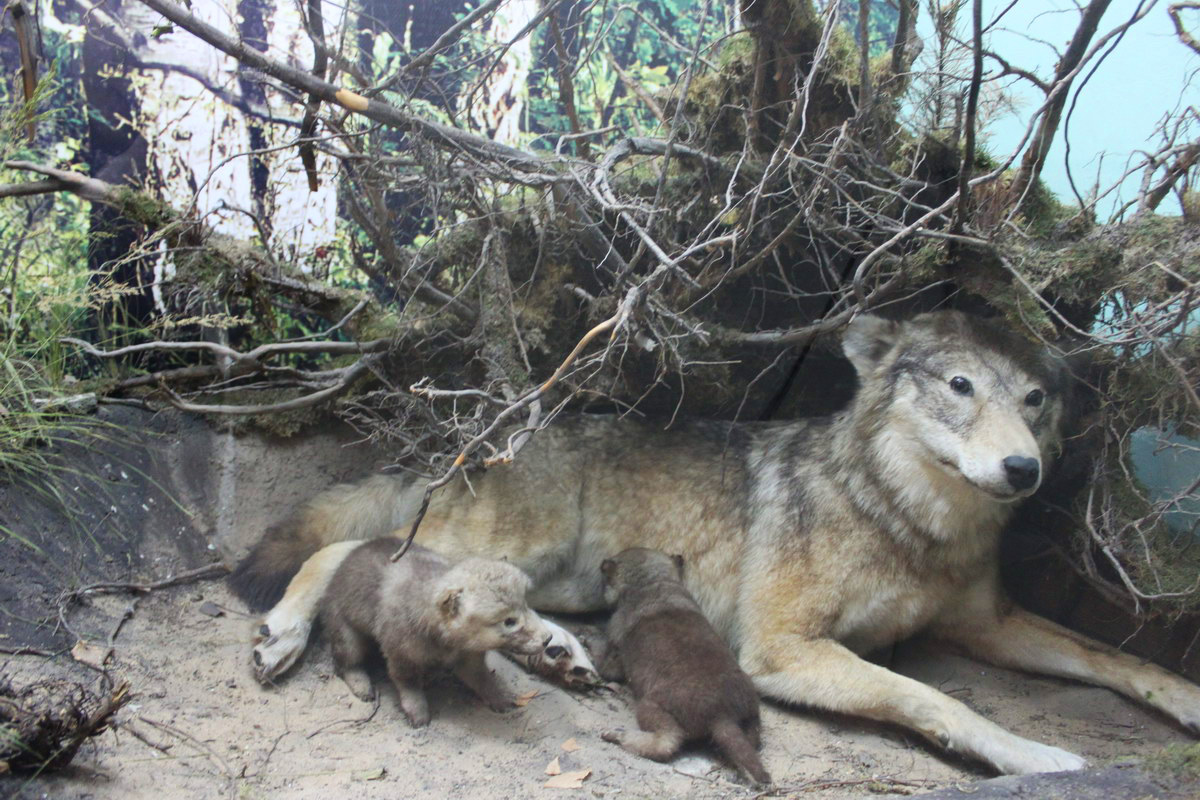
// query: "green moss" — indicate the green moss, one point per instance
point(1179, 761)
point(144, 209)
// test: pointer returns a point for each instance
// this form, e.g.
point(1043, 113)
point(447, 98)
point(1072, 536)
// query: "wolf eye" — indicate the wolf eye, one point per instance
point(511, 622)
point(1035, 398)
point(961, 385)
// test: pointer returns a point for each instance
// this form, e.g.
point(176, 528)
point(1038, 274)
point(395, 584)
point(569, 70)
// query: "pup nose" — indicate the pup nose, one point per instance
point(1022, 472)
point(555, 652)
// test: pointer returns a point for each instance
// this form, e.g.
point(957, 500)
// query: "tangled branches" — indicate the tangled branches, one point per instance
point(782, 193)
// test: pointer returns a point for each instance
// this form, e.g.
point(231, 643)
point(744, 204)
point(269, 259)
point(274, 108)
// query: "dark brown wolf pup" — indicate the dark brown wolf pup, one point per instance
point(686, 681)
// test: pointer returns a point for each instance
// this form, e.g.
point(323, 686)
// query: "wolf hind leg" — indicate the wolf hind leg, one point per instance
point(741, 747)
point(821, 673)
point(285, 629)
point(660, 736)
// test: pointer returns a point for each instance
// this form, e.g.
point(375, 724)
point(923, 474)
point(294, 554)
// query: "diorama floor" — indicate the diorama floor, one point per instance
point(168, 494)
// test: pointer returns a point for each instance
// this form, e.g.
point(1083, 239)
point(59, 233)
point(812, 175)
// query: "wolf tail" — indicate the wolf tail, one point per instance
point(367, 510)
point(738, 748)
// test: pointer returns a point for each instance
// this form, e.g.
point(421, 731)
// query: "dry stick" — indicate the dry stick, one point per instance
point(349, 376)
point(1181, 32)
point(308, 128)
point(18, 650)
point(610, 324)
point(30, 188)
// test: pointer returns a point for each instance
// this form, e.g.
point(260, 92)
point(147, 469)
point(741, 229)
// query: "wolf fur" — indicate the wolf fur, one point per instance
point(424, 613)
point(808, 543)
point(686, 681)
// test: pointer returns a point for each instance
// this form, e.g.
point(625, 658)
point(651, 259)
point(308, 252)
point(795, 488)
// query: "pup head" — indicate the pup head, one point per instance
point(945, 393)
point(481, 606)
point(637, 566)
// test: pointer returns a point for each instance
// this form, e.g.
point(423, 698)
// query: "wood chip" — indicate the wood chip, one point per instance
point(568, 780)
point(570, 745)
point(522, 700)
point(554, 768)
point(94, 655)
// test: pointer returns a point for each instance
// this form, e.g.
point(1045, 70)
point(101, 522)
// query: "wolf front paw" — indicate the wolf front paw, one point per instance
point(1036, 757)
point(277, 648)
point(564, 660)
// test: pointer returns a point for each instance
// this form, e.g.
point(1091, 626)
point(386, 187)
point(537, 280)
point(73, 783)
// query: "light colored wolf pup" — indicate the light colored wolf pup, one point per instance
point(687, 683)
point(424, 613)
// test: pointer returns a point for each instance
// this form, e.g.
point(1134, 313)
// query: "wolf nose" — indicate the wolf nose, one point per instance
point(1022, 472)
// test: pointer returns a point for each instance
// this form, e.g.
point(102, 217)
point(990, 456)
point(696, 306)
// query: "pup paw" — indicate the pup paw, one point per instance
point(613, 736)
point(501, 704)
point(418, 719)
point(359, 684)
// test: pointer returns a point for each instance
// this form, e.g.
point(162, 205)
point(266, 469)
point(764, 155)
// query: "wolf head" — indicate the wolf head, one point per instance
point(957, 399)
point(482, 606)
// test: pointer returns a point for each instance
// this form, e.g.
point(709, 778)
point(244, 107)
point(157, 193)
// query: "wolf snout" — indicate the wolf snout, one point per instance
point(1022, 472)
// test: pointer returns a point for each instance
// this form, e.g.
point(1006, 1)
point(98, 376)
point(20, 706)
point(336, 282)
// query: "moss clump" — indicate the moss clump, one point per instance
point(144, 209)
point(1179, 761)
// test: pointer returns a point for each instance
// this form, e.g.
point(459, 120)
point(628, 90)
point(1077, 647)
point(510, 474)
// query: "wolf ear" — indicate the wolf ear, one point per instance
point(448, 602)
point(608, 568)
point(866, 339)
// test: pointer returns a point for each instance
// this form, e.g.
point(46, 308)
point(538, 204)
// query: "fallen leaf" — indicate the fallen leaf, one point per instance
point(523, 699)
point(211, 609)
point(570, 745)
point(554, 768)
point(375, 774)
point(94, 655)
point(568, 780)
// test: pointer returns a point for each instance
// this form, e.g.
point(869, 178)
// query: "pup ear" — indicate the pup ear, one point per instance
point(608, 568)
point(448, 602)
point(866, 339)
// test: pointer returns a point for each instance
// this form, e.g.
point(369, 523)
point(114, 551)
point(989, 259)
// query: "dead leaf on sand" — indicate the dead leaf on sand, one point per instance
point(94, 655)
point(522, 700)
point(375, 774)
point(554, 768)
point(568, 780)
point(570, 745)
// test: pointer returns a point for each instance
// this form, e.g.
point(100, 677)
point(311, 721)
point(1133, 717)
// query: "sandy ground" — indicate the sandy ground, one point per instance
point(168, 493)
point(207, 729)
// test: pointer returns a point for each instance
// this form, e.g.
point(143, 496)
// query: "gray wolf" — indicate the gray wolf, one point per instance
point(808, 543)
point(423, 613)
point(687, 684)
